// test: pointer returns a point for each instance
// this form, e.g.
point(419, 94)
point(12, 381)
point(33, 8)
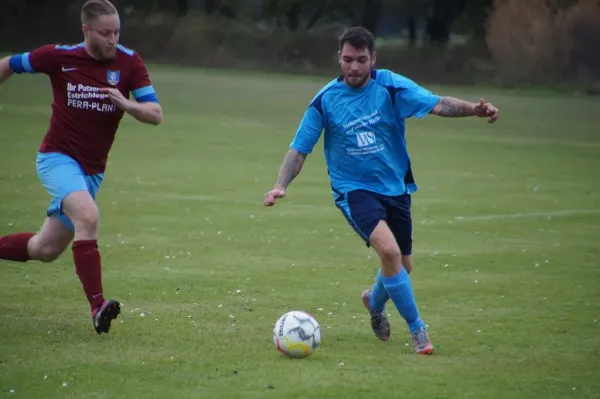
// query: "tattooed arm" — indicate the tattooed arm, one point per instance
point(307, 136)
point(453, 107)
point(291, 167)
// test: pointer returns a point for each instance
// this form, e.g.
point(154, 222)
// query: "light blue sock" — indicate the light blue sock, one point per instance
point(379, 296)
point(400, 290)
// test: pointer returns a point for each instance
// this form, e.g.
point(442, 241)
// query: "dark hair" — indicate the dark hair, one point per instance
point(358, 37)
point(92, 9)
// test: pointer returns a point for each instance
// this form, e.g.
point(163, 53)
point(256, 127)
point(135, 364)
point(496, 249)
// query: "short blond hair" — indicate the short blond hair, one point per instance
point(93, 9)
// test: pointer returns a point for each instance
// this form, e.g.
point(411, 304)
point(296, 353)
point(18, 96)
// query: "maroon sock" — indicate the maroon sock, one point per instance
point(14, 247)
point(87, 266)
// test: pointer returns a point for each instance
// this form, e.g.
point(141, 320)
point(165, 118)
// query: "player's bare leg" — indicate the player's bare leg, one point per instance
point(46, 245)
point(397, 283)
point(383, 241)
point(407, 263)
point(51, 241)
point(81, 208)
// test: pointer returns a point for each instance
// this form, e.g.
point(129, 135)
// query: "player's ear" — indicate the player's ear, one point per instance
point(339, 56)
point(373, 58)
point(85, 29)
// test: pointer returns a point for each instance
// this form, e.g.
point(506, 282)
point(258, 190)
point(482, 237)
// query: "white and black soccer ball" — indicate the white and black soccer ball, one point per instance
point(297, 334)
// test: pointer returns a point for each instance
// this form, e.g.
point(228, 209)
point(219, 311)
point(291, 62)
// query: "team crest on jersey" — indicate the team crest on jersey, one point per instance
point(113, 77)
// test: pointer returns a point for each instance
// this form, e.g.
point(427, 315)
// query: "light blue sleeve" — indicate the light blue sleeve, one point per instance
point(415, 101)
point(19, 63)
point(309, 131)
point(411, 99)
point(145, 94)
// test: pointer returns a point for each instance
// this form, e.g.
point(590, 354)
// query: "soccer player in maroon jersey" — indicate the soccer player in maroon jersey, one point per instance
point(91, 83)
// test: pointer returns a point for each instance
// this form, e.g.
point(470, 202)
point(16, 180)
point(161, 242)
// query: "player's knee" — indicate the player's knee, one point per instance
point(46, 253)
point(80, 207)
point(49, 254)
point(87, 220)
point(386, 246)
point(390, 254)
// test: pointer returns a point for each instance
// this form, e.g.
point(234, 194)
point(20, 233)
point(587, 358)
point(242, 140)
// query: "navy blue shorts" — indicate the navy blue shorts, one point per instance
point(364, 209)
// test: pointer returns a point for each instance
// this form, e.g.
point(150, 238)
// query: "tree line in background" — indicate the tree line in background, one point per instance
point(437, 17)
point(457, 41)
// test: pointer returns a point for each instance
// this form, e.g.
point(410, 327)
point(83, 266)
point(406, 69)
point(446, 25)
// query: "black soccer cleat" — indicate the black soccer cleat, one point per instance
point(379, 321)
point(105, 314)
point(380, 325)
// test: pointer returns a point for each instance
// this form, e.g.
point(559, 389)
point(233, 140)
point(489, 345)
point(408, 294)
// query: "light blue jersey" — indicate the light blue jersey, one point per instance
point(364, 143)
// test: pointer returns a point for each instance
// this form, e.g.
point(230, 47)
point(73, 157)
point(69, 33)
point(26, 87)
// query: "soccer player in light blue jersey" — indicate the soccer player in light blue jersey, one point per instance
point(363, 115)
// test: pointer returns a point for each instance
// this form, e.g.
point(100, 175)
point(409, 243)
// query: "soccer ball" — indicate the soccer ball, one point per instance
point(297, 334)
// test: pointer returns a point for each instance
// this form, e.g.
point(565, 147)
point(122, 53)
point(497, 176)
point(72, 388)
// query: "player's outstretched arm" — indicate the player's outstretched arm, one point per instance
point(454, 107)
point(5, 69)
point(291, 167)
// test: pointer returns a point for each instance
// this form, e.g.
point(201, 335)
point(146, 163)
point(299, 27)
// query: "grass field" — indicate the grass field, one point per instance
point(507, 276)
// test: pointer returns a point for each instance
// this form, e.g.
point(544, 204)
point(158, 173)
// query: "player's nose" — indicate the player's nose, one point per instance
point(112, 40)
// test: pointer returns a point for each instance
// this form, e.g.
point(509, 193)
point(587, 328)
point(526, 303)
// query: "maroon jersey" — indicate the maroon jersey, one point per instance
point(84, 121)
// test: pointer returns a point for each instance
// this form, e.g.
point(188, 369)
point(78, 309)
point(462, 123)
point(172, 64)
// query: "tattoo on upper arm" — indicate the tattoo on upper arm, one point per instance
point(292, 164)
point(453, 107)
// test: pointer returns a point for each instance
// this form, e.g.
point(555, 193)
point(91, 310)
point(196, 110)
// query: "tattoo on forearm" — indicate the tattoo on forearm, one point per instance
point(292, 164)
point(453, 107)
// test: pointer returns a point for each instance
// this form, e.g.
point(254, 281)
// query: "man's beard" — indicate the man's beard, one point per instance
point(99, 53)
point(356, 81)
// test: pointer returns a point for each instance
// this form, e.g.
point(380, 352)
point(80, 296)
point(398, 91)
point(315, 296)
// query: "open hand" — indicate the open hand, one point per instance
point(483, 109)
point(272, 196)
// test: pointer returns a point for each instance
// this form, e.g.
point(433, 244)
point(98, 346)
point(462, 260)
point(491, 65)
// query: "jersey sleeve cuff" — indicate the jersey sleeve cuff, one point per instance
point(150, 98)
point(19, 63)
point(300, 149)
point(428, 106)
point(145, 95)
